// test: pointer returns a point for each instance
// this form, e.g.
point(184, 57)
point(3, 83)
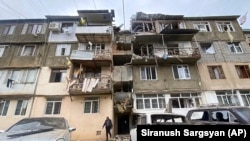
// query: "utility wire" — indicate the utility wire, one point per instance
point(94, 3)
point(13, 9)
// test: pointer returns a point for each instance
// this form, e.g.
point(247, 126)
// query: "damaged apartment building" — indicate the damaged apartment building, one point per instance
point(84, 68)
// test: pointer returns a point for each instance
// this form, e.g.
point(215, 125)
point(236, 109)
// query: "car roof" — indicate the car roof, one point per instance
point(218, 107)
point(174, 114)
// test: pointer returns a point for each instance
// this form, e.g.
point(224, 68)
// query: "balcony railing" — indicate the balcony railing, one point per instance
point(177, 51)
point(91, 55)
point(93, 30)
point(90, 85)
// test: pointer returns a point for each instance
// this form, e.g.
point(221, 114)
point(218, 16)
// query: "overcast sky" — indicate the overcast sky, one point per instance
point(124, 9)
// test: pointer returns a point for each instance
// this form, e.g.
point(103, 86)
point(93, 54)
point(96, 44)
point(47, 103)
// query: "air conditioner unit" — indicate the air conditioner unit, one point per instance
point(54, 26)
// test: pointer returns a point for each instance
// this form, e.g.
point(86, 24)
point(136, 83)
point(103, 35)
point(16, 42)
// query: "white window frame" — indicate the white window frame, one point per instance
point(186, 100)
point(235, 48)
point(146, 73)
point(93, 105)
point(67, 29)
point(150, 101)
point(203, 26)
point(23, 76)
point(53, 101)
point(225, 24)
point(23, 107)
point(182, 72)
point(245, 95)
point(9, 29)
point(34, 28)
point(63, 50)
point(26, 52)
point(2, 48)
point(4, 106)
point(227, 97)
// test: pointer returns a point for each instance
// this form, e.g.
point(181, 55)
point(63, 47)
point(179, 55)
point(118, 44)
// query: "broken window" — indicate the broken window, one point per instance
point(243, 71)
point(224, 26)
point(93, 72)
point(143, 27)
point(67, 28)
point(216, 72)
point(173, 49)
point(58, 75)
point(207, 48)
point(147, 50)
point(185, 100)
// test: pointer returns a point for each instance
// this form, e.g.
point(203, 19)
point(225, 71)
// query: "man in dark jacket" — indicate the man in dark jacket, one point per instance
point(108, 125)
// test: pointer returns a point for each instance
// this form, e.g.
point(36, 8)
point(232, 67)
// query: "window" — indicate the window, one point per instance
point(148, 73)
point(93, 72)
point(243, 71)
point(53, 106)
point(185, 100)
point(9, 29)
point(207, 48)
point(150, 101)
point(67, 28)
point(58, 75)
point(245, 95)
point(224, 26)
point(21, 107)
point(4, 106)
point(27, 50)
point(23, 76)
point(227, 98)
point(181, 72)
point(216, 72)
point(202, 26)
point(34, 28)
point(91, 105)
point(63, 49)
point(235, 48)
point(2, 48)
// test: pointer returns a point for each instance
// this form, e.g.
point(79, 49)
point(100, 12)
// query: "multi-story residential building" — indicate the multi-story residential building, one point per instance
point(22, 48)
point(85, 69)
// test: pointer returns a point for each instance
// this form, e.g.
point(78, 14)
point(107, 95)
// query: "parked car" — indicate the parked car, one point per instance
point(158, 119)
point(217, 115)
point(39, 129)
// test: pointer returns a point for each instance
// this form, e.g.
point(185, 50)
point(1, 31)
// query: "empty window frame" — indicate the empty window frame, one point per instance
point(4, 106)
point(67, 28)
point(224, 26)
point(63, 49)
point(91, 105)
point(185, 100)
point(243, 71)
point(27, 50)
point(2, 48)
point(58, 75)
point(21, 107)
point(216, 72)
point(227, 98)
point(202, 26)
point(93, 72)
point(235, 47)
point(150, 101)
point(34, 28)
point(53, 106)
point(207, 48)
point(181, 72)
point(147, 50)
point(245, 95)
point(148, 73)
point(9, 29)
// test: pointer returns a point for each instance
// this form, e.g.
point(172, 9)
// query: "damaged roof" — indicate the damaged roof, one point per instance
point(146, 17)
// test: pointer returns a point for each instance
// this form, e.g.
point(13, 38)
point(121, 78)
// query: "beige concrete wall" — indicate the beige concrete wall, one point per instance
point(232, 80)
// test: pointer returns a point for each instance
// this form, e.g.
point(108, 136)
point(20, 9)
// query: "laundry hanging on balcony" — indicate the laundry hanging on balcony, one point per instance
point(89, 84)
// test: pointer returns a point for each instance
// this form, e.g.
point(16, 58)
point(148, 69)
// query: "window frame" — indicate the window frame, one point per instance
point(234, 48)
point(224, 97)
point(23, 107)
point(223, 26)
point(9, 29)
point(243, 73)
point(205, 47)
point(202, 26)
point(147, 101)
point(23, 52)
point(63, 50)
point(4, 108)
point(55, 72)
point(53, 111)
point(34, 28)
point(2, 49)
point(245, 95)
point(184, 75)
point(94, 106)
point(216, 72)
point(146, 73)
point(183, 100)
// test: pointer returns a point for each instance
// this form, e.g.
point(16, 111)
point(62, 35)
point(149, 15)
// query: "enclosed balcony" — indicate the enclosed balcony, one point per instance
point(100, 34)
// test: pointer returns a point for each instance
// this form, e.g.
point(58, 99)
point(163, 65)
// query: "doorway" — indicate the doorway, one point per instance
point(123, 124)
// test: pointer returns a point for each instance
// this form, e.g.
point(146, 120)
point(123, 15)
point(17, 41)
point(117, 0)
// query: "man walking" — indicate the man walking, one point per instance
point(108, 126)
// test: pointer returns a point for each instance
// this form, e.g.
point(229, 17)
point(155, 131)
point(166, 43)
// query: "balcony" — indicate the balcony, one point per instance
point(93, 85)
point(99, 34)
point(162, 55)
point(123, 102)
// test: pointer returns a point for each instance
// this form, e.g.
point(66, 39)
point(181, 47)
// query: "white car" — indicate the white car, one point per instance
point(158, 118)
point(38, 129)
